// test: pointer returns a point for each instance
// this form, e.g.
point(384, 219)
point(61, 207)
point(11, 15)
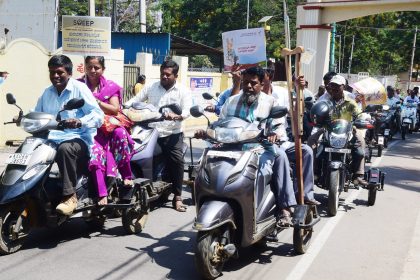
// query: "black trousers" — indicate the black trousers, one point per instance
point(174, 160)
point(72, 160)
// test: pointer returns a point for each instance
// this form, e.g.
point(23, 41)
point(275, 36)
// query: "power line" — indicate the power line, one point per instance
point(377, 28)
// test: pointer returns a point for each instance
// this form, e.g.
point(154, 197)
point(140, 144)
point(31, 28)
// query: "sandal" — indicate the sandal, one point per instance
point(285, 219)
point(178, 205)
point(103, 200)
point(128, 183)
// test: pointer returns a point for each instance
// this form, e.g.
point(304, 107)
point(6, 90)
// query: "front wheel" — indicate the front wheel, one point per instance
point(302, 237)
point(333, 192)
point(208, 262)
point(10, 239)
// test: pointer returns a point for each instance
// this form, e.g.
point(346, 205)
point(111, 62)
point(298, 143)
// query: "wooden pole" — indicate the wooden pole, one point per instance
point(296, 113)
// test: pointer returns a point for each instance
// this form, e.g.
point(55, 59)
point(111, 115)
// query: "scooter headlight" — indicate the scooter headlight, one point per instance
point(31, 125)
point(228, 135)
point(337, 141)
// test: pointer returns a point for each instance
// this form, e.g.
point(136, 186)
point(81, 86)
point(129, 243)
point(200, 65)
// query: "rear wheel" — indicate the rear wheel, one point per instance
point(96, 222)
point(380, 150)
point(333, 192)
point(403, 132)
point(208, 263)
point(11, 240)
point(369, 156)
point(302, 237)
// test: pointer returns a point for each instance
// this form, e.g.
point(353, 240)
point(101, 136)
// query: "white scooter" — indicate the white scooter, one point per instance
point(408, 118)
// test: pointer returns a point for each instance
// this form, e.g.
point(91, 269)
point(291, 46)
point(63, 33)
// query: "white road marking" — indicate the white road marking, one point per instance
point(316, 245)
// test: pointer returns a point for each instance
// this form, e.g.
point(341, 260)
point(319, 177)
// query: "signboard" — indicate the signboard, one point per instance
point(372, 89)
point(243, 48)
point(199, 85)
point(86, 35)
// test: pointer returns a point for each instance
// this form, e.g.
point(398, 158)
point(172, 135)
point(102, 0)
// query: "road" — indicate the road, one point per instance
point(361, 242)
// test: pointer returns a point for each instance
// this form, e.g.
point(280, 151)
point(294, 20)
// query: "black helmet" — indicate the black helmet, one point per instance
point(321, 112)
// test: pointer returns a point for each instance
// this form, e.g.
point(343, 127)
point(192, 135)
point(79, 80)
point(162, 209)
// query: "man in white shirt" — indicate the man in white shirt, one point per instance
point(327, 96)
point(392, 99)
point(171, 138)
point(412, 98)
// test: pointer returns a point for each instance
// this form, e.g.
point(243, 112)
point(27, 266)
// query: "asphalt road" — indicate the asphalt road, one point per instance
point(361, 242)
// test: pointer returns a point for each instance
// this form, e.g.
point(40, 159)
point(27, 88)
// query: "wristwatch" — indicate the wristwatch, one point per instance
point(98, 101)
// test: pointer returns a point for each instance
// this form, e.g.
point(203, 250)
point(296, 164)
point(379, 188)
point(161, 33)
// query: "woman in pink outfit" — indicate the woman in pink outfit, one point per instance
point(111, 153)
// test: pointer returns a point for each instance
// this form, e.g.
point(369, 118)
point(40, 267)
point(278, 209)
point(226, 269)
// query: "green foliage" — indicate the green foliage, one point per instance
point(199, 61)
point(204, 21)
point(383, 48)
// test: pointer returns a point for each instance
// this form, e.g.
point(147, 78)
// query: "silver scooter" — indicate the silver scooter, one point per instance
point(235, 208)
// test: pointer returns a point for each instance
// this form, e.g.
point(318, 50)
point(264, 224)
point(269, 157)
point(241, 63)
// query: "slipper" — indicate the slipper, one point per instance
point(178, 205)
point(285, 220)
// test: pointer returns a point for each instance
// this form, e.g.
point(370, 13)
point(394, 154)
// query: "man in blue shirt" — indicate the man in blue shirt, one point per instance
point(236, 79)
point(81, 124)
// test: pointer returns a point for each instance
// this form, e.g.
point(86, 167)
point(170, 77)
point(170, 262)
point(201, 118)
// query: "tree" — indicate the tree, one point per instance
point(383, 42)
point(205, 21)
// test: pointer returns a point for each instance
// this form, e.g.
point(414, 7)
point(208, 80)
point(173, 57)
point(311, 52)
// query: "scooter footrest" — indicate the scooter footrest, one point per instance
point(141, 181)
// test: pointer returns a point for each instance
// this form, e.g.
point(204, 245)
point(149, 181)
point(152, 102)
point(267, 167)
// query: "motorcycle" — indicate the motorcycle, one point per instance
point(408, 118)
point(234, 209)
point(30, 185)
point(334, 161)
point(381, 133)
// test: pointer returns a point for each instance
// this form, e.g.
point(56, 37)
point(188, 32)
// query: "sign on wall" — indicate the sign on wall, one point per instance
point(199, 85)
point(86, 35)
point(243, 48)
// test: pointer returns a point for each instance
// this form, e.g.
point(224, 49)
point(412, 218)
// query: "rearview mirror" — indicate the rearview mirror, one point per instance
point(207, 96)
point(10, 99)
point(74, 103)
point(278, 112)
point(196, 111)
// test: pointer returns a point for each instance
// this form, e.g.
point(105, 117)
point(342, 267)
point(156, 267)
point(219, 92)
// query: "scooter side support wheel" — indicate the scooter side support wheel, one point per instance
point(301, 235)
point(134, 218)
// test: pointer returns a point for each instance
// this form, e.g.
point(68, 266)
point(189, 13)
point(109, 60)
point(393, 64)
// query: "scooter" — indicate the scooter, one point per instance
point(380, 134)
point(408, 119)
point(234, 209)
point(30, 186)
point(147, 162)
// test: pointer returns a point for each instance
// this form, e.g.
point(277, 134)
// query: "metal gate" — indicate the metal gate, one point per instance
point(131, 72)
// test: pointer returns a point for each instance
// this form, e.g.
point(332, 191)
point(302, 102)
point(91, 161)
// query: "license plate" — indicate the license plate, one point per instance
point(380, 140)
point(234, 155)
point(341, 151)
point(20, 159)
point(386, 132)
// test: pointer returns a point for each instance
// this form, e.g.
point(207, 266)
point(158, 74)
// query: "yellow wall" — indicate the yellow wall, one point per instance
point(26, 61)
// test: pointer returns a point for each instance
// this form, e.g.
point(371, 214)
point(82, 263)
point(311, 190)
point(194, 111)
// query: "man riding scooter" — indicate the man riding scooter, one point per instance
point(253, 105)
point(81, 124)
point(171, 137)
